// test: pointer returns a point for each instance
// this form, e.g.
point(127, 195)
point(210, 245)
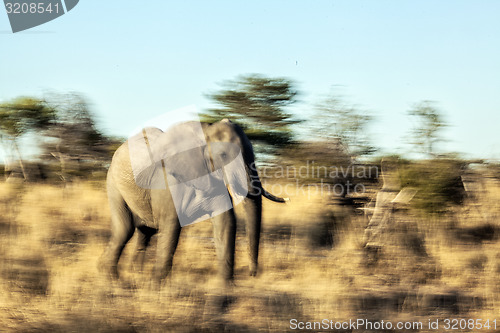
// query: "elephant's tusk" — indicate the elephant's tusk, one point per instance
point(272, 197)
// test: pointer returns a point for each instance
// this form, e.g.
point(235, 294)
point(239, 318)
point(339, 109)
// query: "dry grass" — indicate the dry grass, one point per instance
point(51, 238)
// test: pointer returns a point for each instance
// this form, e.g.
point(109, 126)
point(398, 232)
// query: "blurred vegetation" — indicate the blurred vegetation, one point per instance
point(313, 263)
point(493, 169)
point(74, 139)
point(19, 117)
point(258, 104)
point(312, 267)
point(338, 122)
point(429, 123)
point(438, 182)
point(325, 164)
point(70, 144)
point(337, 138)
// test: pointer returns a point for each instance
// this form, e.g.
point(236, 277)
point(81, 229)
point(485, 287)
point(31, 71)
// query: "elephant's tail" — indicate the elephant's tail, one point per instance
point(272, 197)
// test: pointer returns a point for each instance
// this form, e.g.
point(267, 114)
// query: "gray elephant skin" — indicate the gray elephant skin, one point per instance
point(142, 201)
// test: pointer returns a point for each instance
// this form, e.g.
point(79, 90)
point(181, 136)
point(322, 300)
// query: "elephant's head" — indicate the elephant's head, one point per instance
point(229, 150)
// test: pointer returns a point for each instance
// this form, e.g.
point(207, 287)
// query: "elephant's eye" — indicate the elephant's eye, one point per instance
point(223, 155)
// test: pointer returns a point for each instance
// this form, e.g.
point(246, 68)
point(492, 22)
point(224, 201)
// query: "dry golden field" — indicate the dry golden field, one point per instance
point(313, 268)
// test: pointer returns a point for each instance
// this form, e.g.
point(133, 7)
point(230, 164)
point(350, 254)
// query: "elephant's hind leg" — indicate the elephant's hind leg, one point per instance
point(144, 235)
point(122, 229)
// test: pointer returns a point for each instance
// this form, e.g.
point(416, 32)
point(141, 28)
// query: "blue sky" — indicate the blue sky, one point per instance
point(134, 61)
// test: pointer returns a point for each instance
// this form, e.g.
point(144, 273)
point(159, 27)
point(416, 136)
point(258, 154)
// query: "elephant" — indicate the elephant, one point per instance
point(160, 181)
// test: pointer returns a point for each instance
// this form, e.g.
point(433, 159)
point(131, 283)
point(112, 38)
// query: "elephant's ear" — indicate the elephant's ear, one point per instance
point(237, 179)
point(207, 157)
point(151, 146)
point(227, 157)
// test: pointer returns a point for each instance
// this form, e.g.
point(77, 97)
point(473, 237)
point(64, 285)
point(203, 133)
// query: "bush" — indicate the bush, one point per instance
point(438, 182)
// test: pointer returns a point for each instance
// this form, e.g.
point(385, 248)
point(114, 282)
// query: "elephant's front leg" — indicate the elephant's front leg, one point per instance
point(253, 217)
point(224, 234)
point(168, 237)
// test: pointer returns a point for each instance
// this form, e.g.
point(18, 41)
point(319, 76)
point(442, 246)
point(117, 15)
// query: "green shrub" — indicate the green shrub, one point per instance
point(438, 182)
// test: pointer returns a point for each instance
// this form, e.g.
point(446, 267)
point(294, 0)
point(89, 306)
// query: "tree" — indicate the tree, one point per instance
point(342, 124)
point(258, 104)
point(74, 136)
point(21, 116)
point(429, 124)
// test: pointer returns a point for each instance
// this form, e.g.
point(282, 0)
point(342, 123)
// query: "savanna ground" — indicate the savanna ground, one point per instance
point(312, 267)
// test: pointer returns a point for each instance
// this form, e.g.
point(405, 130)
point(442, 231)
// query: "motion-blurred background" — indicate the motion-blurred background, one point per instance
point(336, 91)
